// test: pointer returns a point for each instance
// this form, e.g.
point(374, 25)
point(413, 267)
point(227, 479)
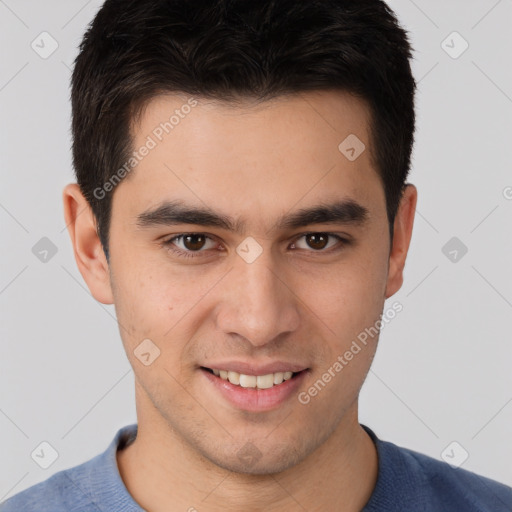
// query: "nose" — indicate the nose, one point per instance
point(257, 302)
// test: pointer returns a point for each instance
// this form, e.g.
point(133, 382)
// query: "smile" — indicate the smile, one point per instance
point(253, 381)
point(256, 393)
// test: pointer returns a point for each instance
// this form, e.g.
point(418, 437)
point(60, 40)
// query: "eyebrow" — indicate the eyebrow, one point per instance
point(170, 213)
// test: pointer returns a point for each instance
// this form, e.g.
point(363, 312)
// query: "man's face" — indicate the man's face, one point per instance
point(267, 297)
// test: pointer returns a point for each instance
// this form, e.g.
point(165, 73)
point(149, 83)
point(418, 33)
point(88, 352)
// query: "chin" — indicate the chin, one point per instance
point(250, 460)
point(261, 467)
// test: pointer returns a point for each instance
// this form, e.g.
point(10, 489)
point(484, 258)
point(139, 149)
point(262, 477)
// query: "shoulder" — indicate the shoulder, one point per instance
point(88, 487)
point(63, 491)
point(459, 488)
point(409, 480)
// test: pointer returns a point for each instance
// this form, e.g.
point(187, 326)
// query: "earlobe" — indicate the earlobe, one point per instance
point(403, 225)
point(89, 254)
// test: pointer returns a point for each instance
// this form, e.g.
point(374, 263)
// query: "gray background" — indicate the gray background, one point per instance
point(442, 370)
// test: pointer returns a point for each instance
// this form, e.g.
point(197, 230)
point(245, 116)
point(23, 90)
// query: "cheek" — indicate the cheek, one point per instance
point(144, 301)
point(154, 301)
point(347, 297)
point(146, 293)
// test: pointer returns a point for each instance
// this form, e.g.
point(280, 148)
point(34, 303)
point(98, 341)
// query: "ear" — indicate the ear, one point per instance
point(89, 254)
point(403, 224)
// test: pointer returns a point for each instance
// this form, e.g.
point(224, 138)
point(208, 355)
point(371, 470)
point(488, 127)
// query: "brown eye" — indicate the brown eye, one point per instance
point(189, 244)
point(193, 242)
point(319, 242)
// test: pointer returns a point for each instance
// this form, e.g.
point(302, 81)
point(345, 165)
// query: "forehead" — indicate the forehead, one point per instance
point(308, 115)
point(257, 158)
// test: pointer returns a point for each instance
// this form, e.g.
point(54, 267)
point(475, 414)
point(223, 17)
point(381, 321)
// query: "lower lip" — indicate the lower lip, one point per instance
point(252, 399)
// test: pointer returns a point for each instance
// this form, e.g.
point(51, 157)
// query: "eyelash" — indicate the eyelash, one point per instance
point(169, 245)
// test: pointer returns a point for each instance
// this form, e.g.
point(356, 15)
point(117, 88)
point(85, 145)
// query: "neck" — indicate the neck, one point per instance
point(163, 473)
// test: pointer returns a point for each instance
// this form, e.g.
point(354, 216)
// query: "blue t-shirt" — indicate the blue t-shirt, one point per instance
point(407, 481)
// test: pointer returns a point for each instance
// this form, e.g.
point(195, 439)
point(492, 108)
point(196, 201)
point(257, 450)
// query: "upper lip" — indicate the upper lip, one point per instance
point(253, 368)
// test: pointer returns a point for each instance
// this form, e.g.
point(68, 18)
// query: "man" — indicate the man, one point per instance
point(242, 200)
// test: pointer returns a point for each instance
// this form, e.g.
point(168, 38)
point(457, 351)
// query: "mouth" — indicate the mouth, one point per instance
point(254, 393)
point(266, 381)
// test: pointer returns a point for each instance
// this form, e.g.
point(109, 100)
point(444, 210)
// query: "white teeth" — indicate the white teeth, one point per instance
point(253, 381)
point(265, 381)
point(248, 381)
point(234, 377)
point(278, 377)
